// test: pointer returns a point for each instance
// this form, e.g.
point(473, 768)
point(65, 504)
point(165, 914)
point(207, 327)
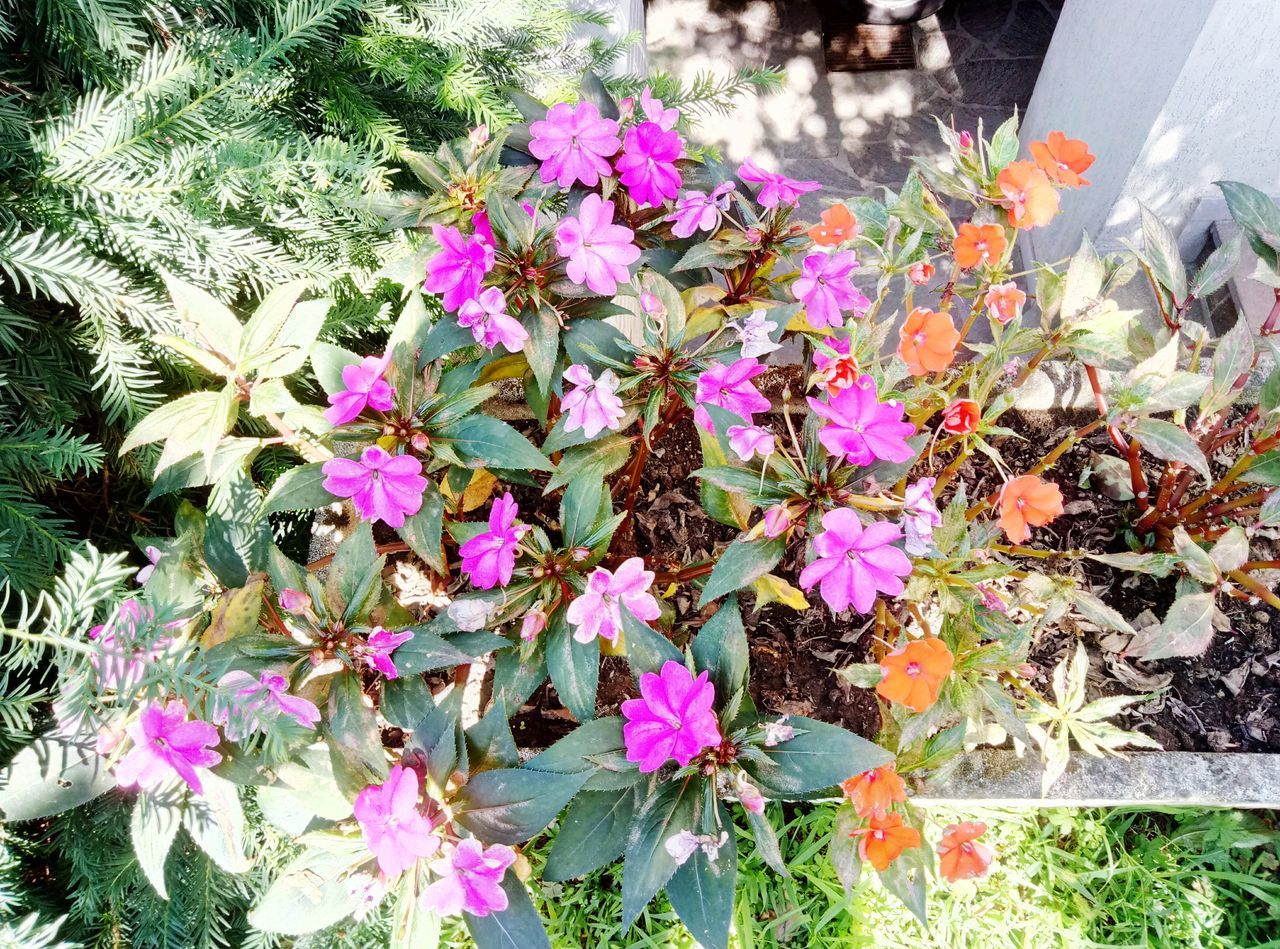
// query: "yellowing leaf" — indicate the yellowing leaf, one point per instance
point(236, 614)
point(477, 492)
point(771, 589)
point(615, 647)
point(512, 366)
point(800, 324)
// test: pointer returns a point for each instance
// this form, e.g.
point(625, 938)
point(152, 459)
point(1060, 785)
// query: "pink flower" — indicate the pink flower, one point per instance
point(255, 702)
point(458, 270)
point(294, 601)
point(778, 189)
point(165, 743)
point(598, 250)
point(365, 387)
point(747, 441)
point(672, 719)
point(825, 288)
point(379, 646)
point(1004, 302)
point(534, 622)
point(854, 564)
point(394, 830)
point(470, 880)
point(919, 516)
point(598, 611)
point(381, 486)
point(483, 229)
point(729, 387)
point(777, 521)
point(125, 646)
point(647, 165)
point(861, 428)
point(486, 317)
point(754, 332)
point(991, 599)
point(153, 558)
point(654, 110)
point(593, 406)
point(573, 143)
point(490, 558)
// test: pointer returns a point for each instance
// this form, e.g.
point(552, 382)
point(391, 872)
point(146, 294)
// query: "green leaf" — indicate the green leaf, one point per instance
point(701, 891)
point(196, 471)
point(592, 832)
point(718, 255)
point(1083, 282)
point(1162, 254)
point(721, 648)
point(515, 677)
point(1187, 630)
point(262, 329)
point(573, 753)
point(911, 888)
point(574, 669)
point(593, 90)
point(490, 743)
point(215, 821)
point(1255, 212)
point(484, 441)
point(843, 849)
point(428, 651)
point(580, 507)
point(594, 459)
point(819, 757)
point(1264, 470)
point(1156, 565)
point(516, 927)
point(742, 563)
point(328, 361)
point(423, 531)
point(1170, 442)
point(186, 425)
point(153, 825)
point(1269, 513)
point(510, 805)
point(543, 345)
point(52, 775)
point(355, 741)
point(1232, 358)
point(439, 737)
point(298, 489)
point(214, 326)
point(1004, 145)
point(647, 866)
point(352, 563)
point(237, 537)
point(406, 700)
point(312, 892)
point(445, 338)
point(647, 649)
point(1195, 560)
point(1217, 269)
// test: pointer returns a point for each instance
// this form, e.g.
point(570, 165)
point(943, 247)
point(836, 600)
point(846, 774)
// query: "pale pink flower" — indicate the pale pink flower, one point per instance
point(597, 612)
point(294, 601)
point(486, 317)
point(673, 718)
point(573, 143)
point(470, 880)
point(655, 111)
point(647, 165)
point(381, 486)
point(777, 189)
point(166, 743)
point(598, 250)
point(255, 702)
point(920, 516)
point(490, 558)
point(861, 428)
point(458, 270)
point(747, 441)
point(754, 333)
point(853, 564)
point(826, 288)
point(394, 829)
point(699, 211)
point(365, 388)
point(775, 733)
point(593, 405)
point(1004, 302)
point(125, 646)
point(729, 387)
point(153, 558)
point(378, 647)
point(777, 521)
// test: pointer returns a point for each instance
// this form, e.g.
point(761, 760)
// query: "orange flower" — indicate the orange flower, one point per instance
point(928, 341)
point(883, 842)
point(838, 225)
point(1027, 502)
point(960, 857)
point(920, 273)
point(1063, 159)
point(961, 417)
point(979, 244)
point(1004, 302)
point(1032, 199)
point(913, 674)
point(874, 792)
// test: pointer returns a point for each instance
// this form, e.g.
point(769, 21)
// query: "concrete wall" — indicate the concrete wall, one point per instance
point(1171, 95)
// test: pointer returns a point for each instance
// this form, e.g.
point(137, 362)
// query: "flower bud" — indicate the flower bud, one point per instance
point(479, 135)
point(650, 305)
point(966, 141)
point(420, 441)
point(470, 615)
point(534, 622)
point(776, 521)
point(754, 235)
point(581, 553)
point(294, 601)
point(920, 273)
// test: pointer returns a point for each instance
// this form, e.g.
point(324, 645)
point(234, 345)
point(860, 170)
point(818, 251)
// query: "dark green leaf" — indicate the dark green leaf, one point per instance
point(445, 338)
point(485, 441)
point(721, 648)
point(743, 562)
point(237, 537)
point(574, 668)
point(422, 531)
point(406, 700)
point(299, 489)
point(355, 742)
point(490, 742)
point(516, 927)
point(701, 891)
point(510, 805)
point(593, 832)
point(647, 649)
point(819, 757)
point(648, 866)
point(515, 678)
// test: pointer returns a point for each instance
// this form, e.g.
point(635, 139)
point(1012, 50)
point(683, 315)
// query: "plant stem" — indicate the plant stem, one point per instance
point(1255, 587)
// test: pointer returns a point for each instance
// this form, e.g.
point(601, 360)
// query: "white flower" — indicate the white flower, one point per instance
point(777, 732)
point(754, 333)
point(681, 846)
point(470, 615)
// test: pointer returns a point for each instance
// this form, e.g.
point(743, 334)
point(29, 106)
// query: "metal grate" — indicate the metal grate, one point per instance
point(864, 47)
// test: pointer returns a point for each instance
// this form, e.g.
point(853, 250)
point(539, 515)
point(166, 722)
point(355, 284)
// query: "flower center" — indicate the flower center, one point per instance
point(913, 669)
point(878, 834)
point(919, 338)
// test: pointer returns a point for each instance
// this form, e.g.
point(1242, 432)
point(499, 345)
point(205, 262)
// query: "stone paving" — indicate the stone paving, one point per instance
point(977, 59)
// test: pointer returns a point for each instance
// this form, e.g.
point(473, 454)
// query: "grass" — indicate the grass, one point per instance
point(1117, 878)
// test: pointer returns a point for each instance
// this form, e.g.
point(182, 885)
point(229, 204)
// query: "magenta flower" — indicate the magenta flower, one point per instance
point(482, 228)
point(699, 211)
point(153, 558)
point(854, 564)
point(490, 558)
point(381, 486)
point(165, 743)
point(747, 441)
point(394, 830)
point(124, 646)
point(920, 516)
point(573, 143)
point(470, 880)
point(861, 428)
point(378, 647)
point(256, 702)
point(594, 405)
point(729, 387)
point(647, 165)
point(486, 317)
point(598, 250)
point(458, 270)
point(777, 189)
point(655, 111)
point(825, 288)
point(673, 718)
point(365, 387)
point(598, 611)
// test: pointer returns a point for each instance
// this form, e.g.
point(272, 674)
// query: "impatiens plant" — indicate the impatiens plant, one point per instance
point(360, 694)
